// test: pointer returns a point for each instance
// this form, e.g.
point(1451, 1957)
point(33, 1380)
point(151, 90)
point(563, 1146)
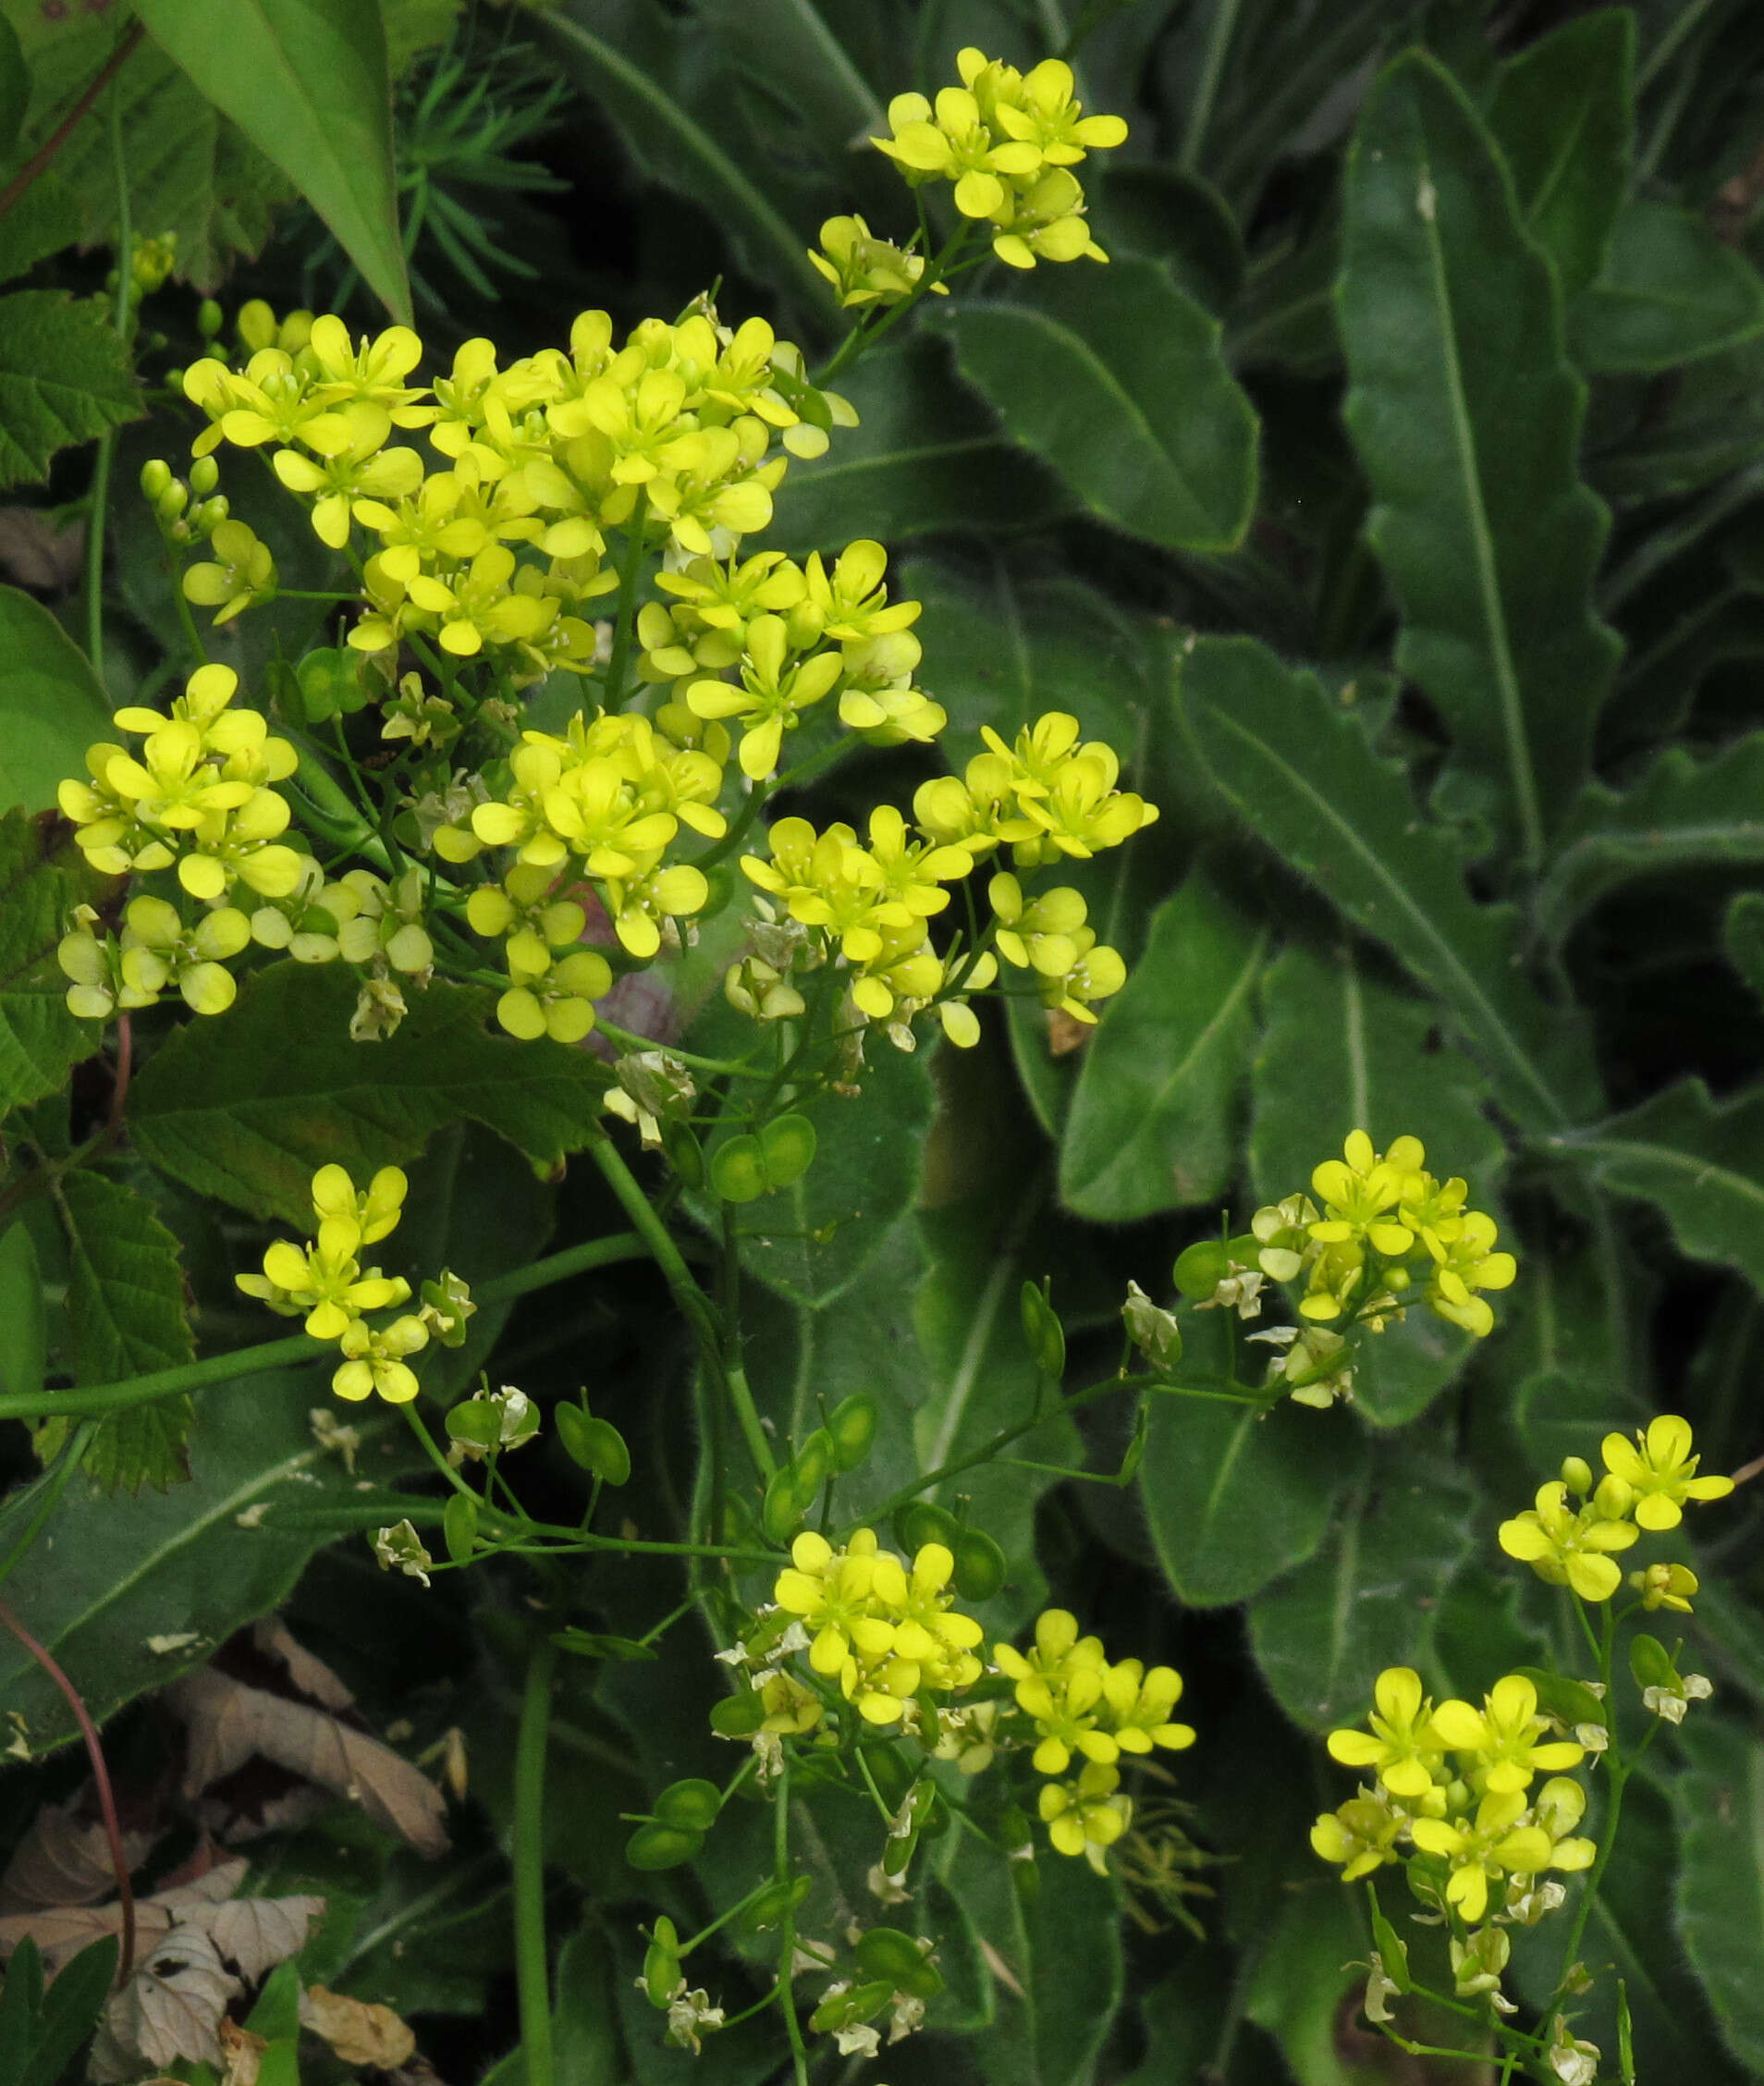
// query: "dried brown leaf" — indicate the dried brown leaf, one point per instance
point(171, 2008)
point(229, 1723)
point(258, 1932)
point(310, 1676)
point(243, 2052)
point(359, 2032)
point(64, 1859)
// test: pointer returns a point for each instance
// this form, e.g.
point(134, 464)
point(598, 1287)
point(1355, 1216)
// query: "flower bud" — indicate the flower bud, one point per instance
point(204, 476)
point(1576, 1474)
point(155, 478)
point(209, 318)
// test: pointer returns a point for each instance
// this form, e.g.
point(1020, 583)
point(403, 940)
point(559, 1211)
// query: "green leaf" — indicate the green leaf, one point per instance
point(683, 123)
point(64, 377)
point(926, 456)
point(1743, 938)
point(1672, 292)
point(583, 2028)
point(51, 706)
point(247, 1106)
point(792, 51)
point(1233, 1498)
point(1343, 1052)
point(15, 88)
point(125, 1317)
point(1562, 115)
point(1301, 1970)
point(44, 220)
point(1302, 773)
point(1151, 1122)
point(306, 81)
point(1719, 1798)
point(40, 1040)
point(22, 1335)
point(192, 175)
point(106, 1575)
point(1701, 1162)
point(1324, 1633)
point(70, 2010)
point(1681, 814)
point(1467, 419)
point(1116, 380)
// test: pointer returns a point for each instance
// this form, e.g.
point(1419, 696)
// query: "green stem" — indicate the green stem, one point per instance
point(628, 573)
point(98, 510)
point(859, 341)
point(720, 1068)
point(532, 1974)
point(301, 1347)
point(787, 1950)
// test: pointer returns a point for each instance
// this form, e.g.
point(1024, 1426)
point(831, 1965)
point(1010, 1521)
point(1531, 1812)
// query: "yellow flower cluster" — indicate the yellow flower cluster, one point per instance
point(790, 636)
point(888, 1637)
point(675, 432)
point(324, 1282)
point(1080, 1705)
point(1452, 1785)
point(867, 270)
point(1008, 140)
point(1646, 1485)
point(1383, 1219)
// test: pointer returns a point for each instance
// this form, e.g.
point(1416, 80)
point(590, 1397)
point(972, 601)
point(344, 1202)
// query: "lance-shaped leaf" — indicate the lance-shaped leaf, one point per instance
point(1670, 293)
point(40, 1040)
point(125, 1317)
point(306, 81)
point(1324, 1633)
point(1342, 1051)
point(1682, 814)
point(1468, 418)
point(926, 456)
point(1719, 1801)
point(1297, 764)
point(249, 1107)
point(1701, 1162)
point(1562, 115)
point(1151, 1121)
point(1117, 382)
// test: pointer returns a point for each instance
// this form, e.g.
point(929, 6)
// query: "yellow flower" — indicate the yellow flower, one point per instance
point(776, 686)
point(324, 1279)
point(1572, 1548)
point(362, 472)
point(554, 998)
point(1359, 1191)
point(1660, 1586)
point(375, 1360)
point(1402, 1743)
point(1470, 1263)
point(242, 573)
point(948, 142)
point(1493, 1847)
point(374, 1210)
point(1087, 1816)
point(830, 1590)
point(158, 950)
point(1360, 1835)
point(1661, 1471)
point(1502, 1738)
point(1136, 1706)
point(867, 270)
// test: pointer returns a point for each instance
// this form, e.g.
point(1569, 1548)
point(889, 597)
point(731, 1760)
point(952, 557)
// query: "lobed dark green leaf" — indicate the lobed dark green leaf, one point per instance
point(52, 707)
point(1467, 419)
point(64, 377)
point(40, 1040)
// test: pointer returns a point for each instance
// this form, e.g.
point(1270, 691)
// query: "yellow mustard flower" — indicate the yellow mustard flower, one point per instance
point(373, 1360)
point(1501, 1740)
point(1087, 1816)
point(1484, 1850)
point(1661, 1469)
point(1573, 1547)
point(1401, 1742)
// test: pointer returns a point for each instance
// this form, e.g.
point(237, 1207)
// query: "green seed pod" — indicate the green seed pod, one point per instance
point(852, 1429)
point(1651, 1663)
point(572, 1423)
point(738, 1171)
point(980, 1565)
point(845, 2009)
point(690, 1806)
point(459, 1526)
point(887, 1953)
point(477, 1421)
point(1043, 1331)
point(1200, 1269)
point(685, 1154)
point(787, 1150)
point(738, 1716)
point(781, 1511)
point(661, 1964)
point(811, 1465)
point(921, 1522)
point(605, 1451)
point(657, 1846)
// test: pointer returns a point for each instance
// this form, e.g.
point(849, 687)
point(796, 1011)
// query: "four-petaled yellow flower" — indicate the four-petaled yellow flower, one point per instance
point(1402, 1743)
point(1501, 1740)
point(1661, 1471)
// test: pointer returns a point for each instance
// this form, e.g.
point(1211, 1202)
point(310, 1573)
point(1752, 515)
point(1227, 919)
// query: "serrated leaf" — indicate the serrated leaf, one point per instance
point(1235, 1498)
point(1467, 419)
point(1718, 1800)
point(126, 1315)
point(1672, 292)
point(1682, 812)
point(926, 456)
point(64, 377)
point(1700, 1161)
point(1562, 115)
point(248, 1105)
point(51, 706)
point(106, 1575)
point(1150, 1127)
point(1342, 1051)
point(40, 1040)
point(1298, 770)
point(15, 88)
point(44, 220)
point(1324, 1633)
point(306, 82)
point(685, 127)
point(22, 1336)
point(1116, 382)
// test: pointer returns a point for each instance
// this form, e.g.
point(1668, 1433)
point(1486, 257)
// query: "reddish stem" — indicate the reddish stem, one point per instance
point(101, 1779)
point(119, 1086)
point(58, 137)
